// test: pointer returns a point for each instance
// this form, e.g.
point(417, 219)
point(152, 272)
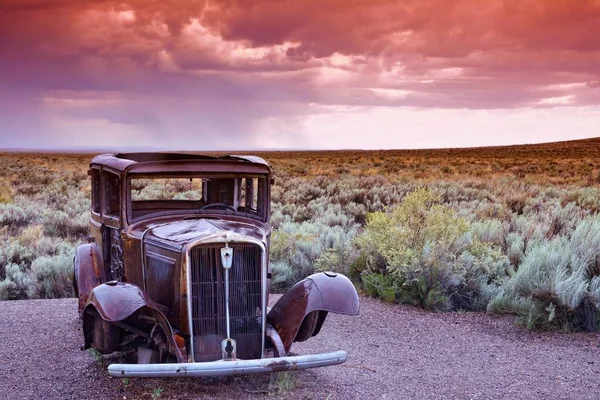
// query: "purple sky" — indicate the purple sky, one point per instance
point(331, 74)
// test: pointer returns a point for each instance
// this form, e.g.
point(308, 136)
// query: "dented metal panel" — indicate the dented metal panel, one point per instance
point(117, 301)
point(88, 272)
point(186, 231)
point(223, 368)
point(319, 293)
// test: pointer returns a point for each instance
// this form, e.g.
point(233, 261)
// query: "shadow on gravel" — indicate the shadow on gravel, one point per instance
point(290, 384)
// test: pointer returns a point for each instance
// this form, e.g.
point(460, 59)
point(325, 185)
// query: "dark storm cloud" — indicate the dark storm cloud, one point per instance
point(205, 66)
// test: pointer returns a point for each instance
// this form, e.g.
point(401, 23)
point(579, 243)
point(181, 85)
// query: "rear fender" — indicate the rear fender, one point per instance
point(301, 311)
point(114, 302)
point(88, 272)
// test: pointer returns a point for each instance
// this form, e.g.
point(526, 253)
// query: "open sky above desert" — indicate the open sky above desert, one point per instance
point(289, 74)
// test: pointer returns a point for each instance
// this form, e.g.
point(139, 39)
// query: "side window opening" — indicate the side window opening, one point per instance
point(260, 187)
point(248, 188)
point(95, 188)
point(112, 195)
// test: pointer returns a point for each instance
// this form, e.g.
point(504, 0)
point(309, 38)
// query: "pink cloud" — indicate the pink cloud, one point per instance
point(173, 63)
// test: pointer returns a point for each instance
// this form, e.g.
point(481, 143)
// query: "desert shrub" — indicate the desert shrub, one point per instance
point(337, 259)
point(300, 199)
point(380, 285)
point(299, 249)
point(30, 235)
point(483, 270)
point(283, 276)
point(515, 247)
point(63, 224)
point(516, 202)
point(357, 267)
point(489, 231)
point(6, 192)
point(13, 252)
point(559, 279)
point(47, 216)
point(52, 277)
point(429, 256)
point(277, 217)
point(564, 219)
point(26, 274)
point(13, 216)
point(45, 202)
point(585, 197)
point(16, 284)
point(357, 211)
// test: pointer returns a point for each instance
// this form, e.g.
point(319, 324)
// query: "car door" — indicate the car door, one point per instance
point(112, 246)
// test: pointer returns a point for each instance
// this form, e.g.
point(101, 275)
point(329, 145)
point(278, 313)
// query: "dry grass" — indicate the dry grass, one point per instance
point(560, 163)
point(570, 162)
point(321, 199)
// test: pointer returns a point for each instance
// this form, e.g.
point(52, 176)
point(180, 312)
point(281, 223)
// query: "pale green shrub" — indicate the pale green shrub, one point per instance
point(62, 224)
point(515, 247)
point(52, 277)
point(14, 216)
point(489, 231)
point(560, 280)
point(13, 252)
point(283, 276)
point(16, 284)
point(298, 249)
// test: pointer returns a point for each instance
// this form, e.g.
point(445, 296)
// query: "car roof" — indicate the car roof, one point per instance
point(180, 162)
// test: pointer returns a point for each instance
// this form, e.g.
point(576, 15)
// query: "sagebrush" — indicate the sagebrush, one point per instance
point(441, 229)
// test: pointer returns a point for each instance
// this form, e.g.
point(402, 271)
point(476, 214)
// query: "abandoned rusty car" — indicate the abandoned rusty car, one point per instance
point(177, 268)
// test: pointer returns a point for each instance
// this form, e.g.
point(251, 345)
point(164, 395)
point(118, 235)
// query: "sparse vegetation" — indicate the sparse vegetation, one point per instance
point(156, 393)
point(512, 229)
point(282, 383)
point(96, 355)
point(44, 215)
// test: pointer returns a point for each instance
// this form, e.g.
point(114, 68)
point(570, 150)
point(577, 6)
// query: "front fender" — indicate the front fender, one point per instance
point(117, 301)
point(300, 312)
point(88, 272)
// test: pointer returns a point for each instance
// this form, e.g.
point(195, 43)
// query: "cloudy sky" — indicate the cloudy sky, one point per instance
point(276, 74)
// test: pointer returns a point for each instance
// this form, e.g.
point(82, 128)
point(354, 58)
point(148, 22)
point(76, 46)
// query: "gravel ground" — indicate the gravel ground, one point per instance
point(395, 352)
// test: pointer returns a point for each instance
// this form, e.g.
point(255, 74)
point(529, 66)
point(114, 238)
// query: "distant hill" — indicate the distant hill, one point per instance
point(582, 148)
point(563, 149)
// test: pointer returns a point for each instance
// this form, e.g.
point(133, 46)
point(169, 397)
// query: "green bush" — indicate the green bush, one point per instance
point(429, 256)
point(380, 285)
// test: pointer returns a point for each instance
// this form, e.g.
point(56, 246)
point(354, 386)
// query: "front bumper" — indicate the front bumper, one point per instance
point(220, 368)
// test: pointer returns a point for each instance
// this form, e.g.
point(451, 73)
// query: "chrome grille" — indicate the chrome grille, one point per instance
point(208, 301)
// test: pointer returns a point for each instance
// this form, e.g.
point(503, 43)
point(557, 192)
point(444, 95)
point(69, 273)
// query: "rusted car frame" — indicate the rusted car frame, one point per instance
point(180, 272)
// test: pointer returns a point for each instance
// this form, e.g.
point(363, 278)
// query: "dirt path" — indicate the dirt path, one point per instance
point(394, 353)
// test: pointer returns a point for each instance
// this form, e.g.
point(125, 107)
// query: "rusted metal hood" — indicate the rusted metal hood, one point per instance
point(183, 232)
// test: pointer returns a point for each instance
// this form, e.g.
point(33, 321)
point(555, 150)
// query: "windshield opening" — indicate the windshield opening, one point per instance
point(243, 195)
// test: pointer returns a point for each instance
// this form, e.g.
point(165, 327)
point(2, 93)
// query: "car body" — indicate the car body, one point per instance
point(177, 268)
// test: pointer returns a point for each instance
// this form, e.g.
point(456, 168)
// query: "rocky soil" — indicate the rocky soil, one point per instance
point(394, 352)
